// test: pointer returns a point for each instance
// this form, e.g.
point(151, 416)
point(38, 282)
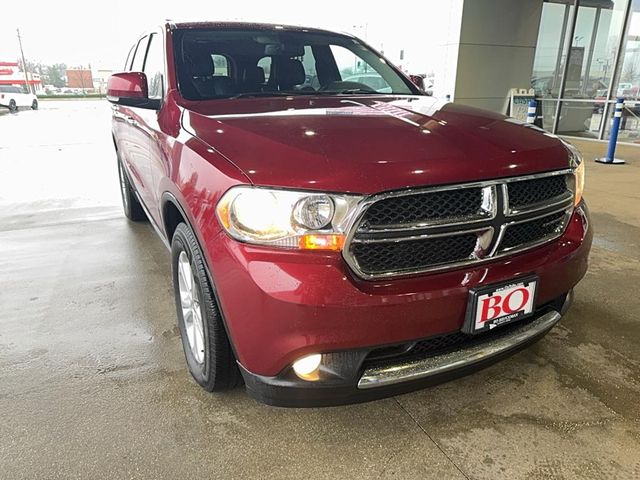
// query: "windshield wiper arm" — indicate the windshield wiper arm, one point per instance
point(358, 90)
point(263, 94)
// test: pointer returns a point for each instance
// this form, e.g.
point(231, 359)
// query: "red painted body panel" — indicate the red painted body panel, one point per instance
point(370, 144)
point(127, 84)
point(280, 304)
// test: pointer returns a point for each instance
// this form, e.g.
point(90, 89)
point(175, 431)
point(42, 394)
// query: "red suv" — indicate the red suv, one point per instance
point(334, 241)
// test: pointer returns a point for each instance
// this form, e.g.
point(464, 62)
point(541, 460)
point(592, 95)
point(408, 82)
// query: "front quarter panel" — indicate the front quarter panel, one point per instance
point(197, 177)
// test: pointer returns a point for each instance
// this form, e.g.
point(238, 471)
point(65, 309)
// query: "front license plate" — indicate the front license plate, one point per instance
point(497, 305)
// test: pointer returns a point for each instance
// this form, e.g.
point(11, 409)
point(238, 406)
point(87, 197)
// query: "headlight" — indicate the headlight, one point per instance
point(579, 179)
point(313, 212)
point(576, 163)
point(285, 218)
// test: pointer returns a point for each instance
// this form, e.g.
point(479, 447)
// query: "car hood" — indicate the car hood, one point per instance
point(369, 144)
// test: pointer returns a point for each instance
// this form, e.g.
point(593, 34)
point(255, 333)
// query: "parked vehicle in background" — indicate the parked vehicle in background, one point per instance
point(14, 97)
point(336, 244)
point(622, 88)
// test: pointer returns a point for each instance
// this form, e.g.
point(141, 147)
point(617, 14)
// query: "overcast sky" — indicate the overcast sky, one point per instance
point(100, 33)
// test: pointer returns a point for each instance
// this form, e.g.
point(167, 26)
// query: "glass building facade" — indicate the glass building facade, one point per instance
point(587, 55)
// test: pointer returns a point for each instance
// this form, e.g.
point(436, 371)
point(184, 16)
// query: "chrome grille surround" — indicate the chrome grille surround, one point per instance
point(490, 224)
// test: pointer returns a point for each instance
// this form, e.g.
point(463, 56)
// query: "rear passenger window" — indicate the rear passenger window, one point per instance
point(309, 63)
point(138, 58)
point(221, 65)
point(265, 64)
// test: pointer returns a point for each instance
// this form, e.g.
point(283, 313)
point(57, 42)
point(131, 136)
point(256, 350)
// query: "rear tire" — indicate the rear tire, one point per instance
point(34, 105)
point(207, 350)
point(130, 204)
point(12, 106)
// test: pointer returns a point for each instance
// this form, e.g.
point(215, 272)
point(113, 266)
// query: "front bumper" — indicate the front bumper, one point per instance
point(280, 306)
point(374, 383)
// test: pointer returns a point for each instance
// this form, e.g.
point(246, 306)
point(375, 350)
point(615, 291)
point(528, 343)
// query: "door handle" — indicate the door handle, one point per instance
point(131, 121)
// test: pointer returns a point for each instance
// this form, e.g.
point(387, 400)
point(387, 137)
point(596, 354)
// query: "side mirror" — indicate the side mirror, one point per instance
point(130, 89)
point(418, 81)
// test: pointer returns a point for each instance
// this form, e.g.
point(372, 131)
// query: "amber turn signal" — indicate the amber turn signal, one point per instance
point(313, 241)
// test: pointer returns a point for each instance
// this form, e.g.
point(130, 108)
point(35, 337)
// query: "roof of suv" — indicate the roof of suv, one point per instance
point(249, 25)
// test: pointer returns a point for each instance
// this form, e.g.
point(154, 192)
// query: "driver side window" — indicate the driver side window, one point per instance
point(354, 69)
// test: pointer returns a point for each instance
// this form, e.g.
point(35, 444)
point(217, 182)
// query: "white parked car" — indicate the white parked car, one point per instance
point(14, 98)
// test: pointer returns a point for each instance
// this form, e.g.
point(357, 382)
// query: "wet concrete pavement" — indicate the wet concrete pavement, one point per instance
point(93, 382)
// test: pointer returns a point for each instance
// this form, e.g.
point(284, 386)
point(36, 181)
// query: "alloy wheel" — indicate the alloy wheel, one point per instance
point(191, 309)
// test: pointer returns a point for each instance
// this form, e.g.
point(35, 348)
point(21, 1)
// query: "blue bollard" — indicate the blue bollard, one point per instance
point(531, 111)
point(610, 159)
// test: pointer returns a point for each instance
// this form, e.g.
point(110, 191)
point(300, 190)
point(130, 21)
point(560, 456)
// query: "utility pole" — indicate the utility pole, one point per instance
point(24, 63)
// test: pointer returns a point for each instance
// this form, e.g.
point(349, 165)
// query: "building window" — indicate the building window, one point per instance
point(550, 49)
point(627, 83)
point(574, 63)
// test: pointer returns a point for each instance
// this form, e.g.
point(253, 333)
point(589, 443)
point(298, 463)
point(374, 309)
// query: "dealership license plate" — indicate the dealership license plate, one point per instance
point(496, 305)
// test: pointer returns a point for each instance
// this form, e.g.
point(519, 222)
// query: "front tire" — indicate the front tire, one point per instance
point(206, 346)
point(12, 106)
point(130, 204)
point(34, 105)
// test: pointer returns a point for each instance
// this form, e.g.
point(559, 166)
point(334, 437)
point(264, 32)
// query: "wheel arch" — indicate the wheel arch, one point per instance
point(172, 215)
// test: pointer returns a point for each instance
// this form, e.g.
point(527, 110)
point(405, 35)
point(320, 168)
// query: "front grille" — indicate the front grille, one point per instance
point(402, 233)
point(424, 207)
point(534, 231)
point(400, 256)
point(531, 192)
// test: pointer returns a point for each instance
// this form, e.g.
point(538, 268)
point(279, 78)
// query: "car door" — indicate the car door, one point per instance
point(122, 126)
point(134, 137)
point(22, 99)
point(118, 119)
point(155, 71)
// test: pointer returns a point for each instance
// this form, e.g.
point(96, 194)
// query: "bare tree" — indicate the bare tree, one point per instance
point(631, 69)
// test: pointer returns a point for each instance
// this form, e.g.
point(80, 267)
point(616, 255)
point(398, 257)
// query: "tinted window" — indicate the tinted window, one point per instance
point(265, 64)
point(310, 73)
point(154, 66)
point(138, 58)
point(224, 63)
point(221, 66)
point(354, 69)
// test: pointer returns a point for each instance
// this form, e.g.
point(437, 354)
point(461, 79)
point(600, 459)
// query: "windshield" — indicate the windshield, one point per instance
point(236, 63)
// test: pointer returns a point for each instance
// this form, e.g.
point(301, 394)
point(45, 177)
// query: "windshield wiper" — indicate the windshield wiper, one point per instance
point(349, 91)
point(357, 91)
point(264, 94)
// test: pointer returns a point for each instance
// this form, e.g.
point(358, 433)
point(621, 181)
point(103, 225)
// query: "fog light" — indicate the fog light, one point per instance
point(308, 368)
